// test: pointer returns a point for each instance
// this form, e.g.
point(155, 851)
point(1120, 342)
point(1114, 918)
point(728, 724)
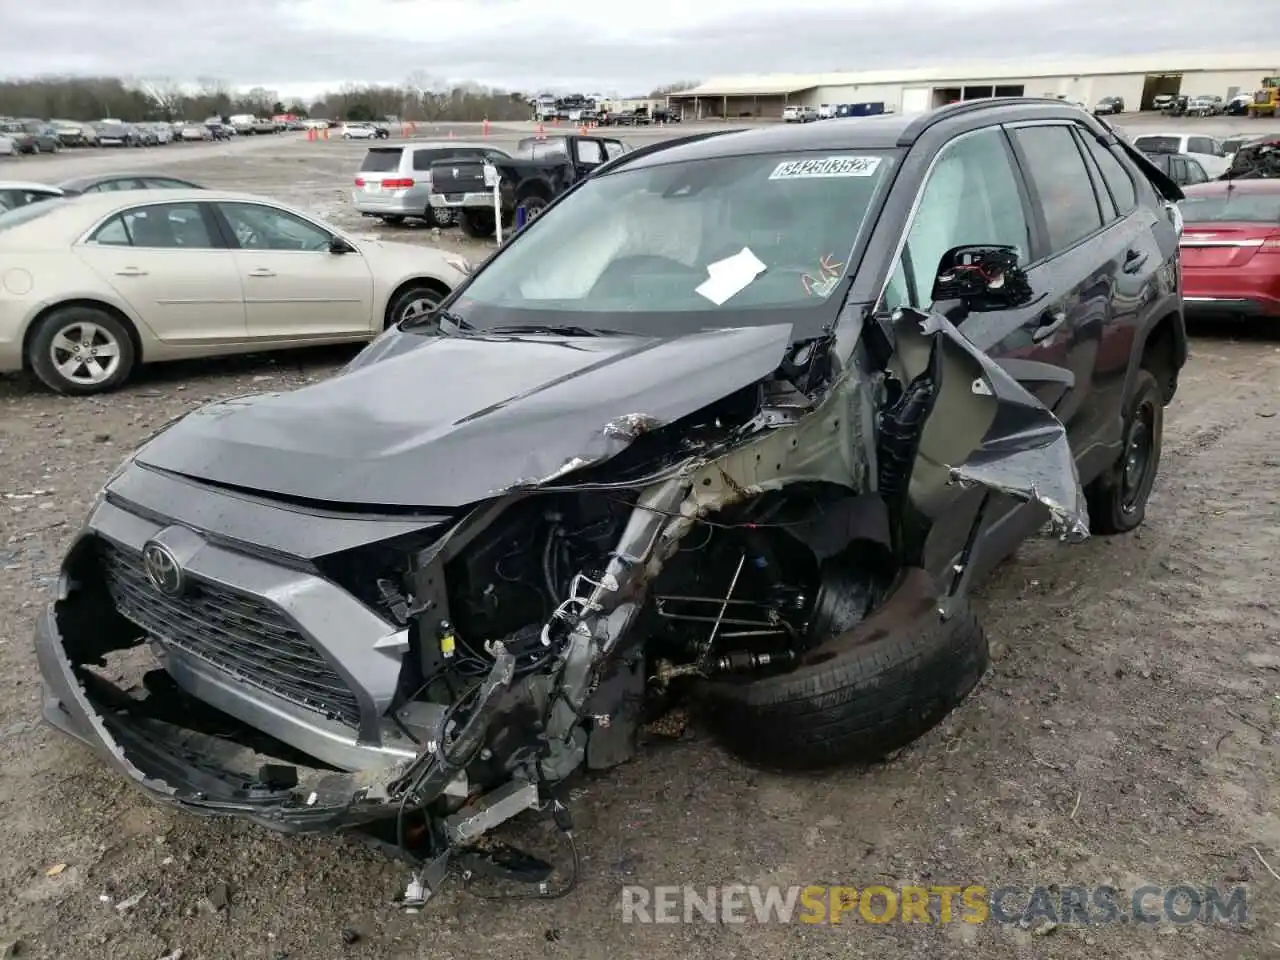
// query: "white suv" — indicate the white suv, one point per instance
point(363, 131)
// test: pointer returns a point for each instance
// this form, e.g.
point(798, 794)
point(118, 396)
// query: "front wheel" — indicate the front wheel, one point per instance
point(531, 207)
point(1118, 498)
point(872, 690)
point(415, 301)
point(81, 350)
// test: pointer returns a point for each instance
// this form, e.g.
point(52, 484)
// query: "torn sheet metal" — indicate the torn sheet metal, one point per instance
point(458, 419)
point(987, 429)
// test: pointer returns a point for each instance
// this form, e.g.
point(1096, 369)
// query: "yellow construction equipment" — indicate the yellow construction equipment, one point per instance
point(1266, 102)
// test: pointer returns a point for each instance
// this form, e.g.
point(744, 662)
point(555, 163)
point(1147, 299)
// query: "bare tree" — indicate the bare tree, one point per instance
point(421, 97)
point(167, 95)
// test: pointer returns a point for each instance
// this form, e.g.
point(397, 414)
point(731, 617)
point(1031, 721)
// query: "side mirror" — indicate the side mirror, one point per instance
point(982, 277)
point(338, 245)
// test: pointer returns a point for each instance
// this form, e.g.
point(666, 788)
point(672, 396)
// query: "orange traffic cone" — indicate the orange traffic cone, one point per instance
point(486, 126)
point(542, 133)
point(311, 133)
point(326, 133)
point(450, 134)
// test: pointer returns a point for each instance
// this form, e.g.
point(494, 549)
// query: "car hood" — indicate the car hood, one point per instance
point(429, 421)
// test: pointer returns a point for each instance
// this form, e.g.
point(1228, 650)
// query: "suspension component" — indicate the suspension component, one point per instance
point(740, 661)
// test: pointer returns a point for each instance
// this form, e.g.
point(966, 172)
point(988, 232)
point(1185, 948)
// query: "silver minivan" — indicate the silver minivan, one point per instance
point(394, 181)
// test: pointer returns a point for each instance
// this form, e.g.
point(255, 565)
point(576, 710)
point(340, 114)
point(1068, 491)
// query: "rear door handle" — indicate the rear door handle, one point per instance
point(1133, 261)
point(262, 272)
point(131, 272)
point(1050, 321)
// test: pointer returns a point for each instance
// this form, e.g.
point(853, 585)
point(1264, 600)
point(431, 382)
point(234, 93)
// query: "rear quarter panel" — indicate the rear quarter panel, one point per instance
point(33, 282)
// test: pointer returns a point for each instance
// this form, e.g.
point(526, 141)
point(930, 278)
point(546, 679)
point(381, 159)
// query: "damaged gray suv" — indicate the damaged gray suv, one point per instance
point(735, 423)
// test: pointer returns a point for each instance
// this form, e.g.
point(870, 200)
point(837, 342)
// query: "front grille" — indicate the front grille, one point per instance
point(239, 634)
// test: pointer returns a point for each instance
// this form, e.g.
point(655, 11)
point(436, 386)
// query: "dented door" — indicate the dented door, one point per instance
point(986, 431)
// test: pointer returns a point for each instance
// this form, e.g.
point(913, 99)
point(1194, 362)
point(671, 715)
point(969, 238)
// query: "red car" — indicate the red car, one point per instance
point(1231, 248)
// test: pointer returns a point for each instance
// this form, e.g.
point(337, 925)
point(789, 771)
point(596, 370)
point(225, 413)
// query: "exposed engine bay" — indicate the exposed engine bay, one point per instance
point(713, 559)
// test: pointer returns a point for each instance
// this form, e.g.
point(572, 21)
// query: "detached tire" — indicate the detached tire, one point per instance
point(1117, 499)
point(859, 701)
point(81, 350)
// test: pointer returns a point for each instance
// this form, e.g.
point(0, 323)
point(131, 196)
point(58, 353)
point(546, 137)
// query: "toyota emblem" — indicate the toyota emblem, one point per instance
point(455, 171)
point(163, 569)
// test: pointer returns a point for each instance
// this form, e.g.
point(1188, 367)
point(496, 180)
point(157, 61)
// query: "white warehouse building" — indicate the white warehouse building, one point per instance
point(1136, 79)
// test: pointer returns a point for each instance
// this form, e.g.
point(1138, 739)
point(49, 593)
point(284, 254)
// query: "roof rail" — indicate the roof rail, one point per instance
point(922, 123)
point(658, 147)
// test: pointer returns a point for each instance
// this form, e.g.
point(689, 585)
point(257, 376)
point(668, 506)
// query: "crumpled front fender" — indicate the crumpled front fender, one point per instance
point(984, 428)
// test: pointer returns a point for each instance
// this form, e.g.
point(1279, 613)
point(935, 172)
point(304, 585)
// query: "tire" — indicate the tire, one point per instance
point(532, 206)
point(477, 224)
point(413, 299)
point(72, 325)
point(1118, 498)
point(444, 217)
point(392, 221)
point(889, 684)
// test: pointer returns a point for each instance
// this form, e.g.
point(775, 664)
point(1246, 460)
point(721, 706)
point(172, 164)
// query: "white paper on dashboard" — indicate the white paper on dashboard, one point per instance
point(730, 276)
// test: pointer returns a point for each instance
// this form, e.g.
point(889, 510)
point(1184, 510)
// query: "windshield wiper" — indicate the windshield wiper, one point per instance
point(565, 329)
point(431, 316)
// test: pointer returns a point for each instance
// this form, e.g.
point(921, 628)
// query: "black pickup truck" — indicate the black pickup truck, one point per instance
point(539, 171)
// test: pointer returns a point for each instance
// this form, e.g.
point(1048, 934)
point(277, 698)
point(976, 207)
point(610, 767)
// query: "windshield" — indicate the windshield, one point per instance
point(687, 245)
point(20, 215)
point(1236, 206)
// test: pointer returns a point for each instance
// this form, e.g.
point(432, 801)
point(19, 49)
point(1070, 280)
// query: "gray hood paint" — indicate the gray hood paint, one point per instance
point(447, 421)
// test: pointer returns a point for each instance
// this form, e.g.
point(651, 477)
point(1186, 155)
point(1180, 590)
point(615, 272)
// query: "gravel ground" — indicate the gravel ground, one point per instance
point(1126, 734)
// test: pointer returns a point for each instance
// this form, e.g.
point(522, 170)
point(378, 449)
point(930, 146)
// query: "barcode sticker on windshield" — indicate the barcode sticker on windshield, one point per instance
point(825, 167)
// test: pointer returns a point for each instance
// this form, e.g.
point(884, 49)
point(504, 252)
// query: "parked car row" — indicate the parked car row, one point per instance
point(50, 136)
point(443, 182)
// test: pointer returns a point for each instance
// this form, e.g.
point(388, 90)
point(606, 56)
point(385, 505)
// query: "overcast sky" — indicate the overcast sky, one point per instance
point(300, 47)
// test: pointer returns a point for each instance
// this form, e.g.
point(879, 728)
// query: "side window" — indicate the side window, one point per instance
point(160, 183)
point(613, 148)
point(112, 233)
point(590, 152)
point(422, 159)
point(1062, 184)
point(1195, 172)
point(165, 226)
point(1105, 203)
point(971, 196)
point(1116, 177)
point(1200, 145)
point(1178, 170)
point(259, 227)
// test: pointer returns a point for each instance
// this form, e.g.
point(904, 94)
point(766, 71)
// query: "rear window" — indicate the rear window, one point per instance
point(1235, 205)
point(540, 149)
point(381, 160)
point(21, 215)
point(1159, 144)
point(422, 159)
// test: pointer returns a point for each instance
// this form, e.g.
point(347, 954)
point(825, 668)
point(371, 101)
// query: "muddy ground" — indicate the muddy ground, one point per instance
point(1127, 733)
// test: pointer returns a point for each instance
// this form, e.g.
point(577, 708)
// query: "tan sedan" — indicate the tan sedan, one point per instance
point(93, 285)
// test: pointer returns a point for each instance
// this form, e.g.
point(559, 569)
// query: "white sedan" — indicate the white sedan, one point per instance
point(19, 193)
point(91, 286)
point(7, 147)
